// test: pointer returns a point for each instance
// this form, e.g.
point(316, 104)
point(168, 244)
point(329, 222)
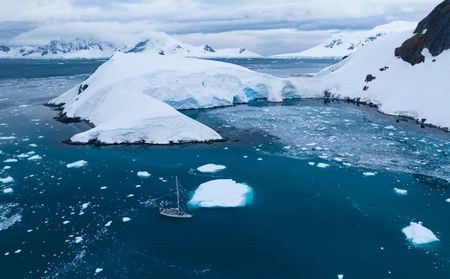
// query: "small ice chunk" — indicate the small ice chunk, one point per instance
point(7, 190)
point(66, 222)
point(98, 270)
point(18, 251)
point(78, 239)
point(390, 127)
point(340, 276)
point(77, 164)
point(126, 219)
point(7, 167)
point(143, 174)
point(418, 234)
point(369, 173)
point(85, 205)
point(7, 138)
point(401, 191)
point(35, 157)
point(7, 179)
point(259, 159)
point(211, 168)
point(222, 193)
point(22, 156)
point(447, 200)
point(10, 161)
point(108, 224)
point(322, 165)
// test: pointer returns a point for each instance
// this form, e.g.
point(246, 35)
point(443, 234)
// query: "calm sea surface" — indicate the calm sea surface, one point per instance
point(304, 222)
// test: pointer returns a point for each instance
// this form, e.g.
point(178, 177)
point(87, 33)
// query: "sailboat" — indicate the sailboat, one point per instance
point(177, 212)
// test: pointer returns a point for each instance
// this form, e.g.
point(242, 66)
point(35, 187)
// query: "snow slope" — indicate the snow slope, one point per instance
point(419, 91)
point(344, 43)
point(133, 97)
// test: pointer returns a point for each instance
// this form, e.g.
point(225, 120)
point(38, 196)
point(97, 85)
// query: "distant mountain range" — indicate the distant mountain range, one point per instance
point(344, 43)
point(82, 48)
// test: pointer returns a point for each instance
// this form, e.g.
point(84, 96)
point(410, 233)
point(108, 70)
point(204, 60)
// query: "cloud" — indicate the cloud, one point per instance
point(267, 26)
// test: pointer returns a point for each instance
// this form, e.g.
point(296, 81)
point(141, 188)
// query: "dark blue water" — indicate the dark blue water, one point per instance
point(305, 221)
point(283, 67)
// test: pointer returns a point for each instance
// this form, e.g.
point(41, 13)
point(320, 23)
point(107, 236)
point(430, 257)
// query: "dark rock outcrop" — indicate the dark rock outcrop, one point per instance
point(433, 33)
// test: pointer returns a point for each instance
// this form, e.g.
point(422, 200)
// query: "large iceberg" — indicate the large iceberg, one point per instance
point(134, 97)
point(222, 193)
point(418, 234)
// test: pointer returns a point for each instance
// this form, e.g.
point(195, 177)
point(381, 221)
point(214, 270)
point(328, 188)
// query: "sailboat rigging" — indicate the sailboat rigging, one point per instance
point(177, 212)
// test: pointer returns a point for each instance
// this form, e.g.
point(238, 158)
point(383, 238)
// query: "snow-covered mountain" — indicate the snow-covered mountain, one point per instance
point(344, 43)
point(77, 48)
point(158, 43)
point(403, 74)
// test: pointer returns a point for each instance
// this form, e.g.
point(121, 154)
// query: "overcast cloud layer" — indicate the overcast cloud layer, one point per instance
point(265, 26)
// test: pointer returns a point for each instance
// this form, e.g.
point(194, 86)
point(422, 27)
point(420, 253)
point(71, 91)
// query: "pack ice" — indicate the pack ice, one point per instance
point(134, 97)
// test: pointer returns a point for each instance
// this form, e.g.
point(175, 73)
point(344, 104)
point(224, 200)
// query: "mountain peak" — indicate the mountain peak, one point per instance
point(432, 33)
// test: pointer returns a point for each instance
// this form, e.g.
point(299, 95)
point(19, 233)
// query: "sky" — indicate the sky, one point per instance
point(264, 26)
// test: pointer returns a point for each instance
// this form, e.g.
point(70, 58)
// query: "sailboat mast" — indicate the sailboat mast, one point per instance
point(178, 193)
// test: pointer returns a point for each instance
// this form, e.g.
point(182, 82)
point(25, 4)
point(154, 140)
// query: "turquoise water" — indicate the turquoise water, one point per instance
point(304, 222)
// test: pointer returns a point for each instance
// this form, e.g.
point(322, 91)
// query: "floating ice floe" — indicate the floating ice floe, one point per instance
point(211, 168)
point(401, 191)
point(108, 224)
point(222, 193)
point(35, 157)
point(447, 200)
point(10, 161)
point(98, 270)
point(143, 174)
point(322, 165)
point(9, 215)
point(7, 190)
point(7, 179)
point(78, 239)
point(7, 138)
point(77, 164)
point(126, 219)
point(418, 234)
point(369, 173)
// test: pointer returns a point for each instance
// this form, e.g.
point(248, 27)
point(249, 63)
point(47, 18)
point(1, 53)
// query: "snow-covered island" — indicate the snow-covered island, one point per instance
point(134, 97)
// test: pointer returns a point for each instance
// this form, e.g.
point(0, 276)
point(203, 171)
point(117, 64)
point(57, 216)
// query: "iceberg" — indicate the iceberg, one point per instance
point(418, 234)
point(134, 97)
point(211, 168)
point(401, 192)
point(7, 179)
point(222, 193)
point(143, 174)
point(77, 164)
